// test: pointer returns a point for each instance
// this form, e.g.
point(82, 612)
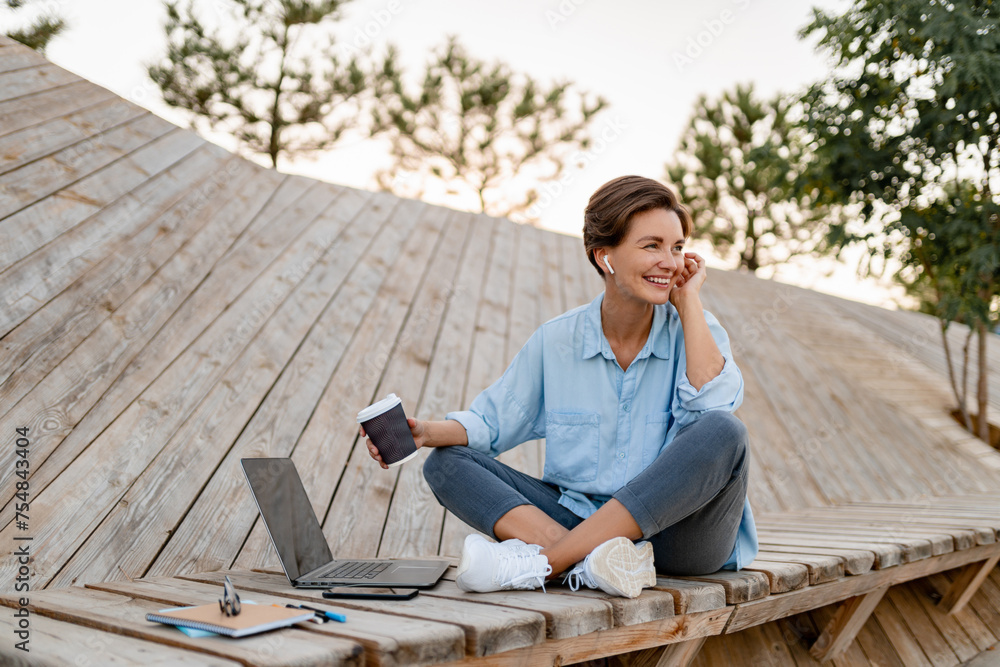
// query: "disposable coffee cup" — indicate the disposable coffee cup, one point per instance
point(385, 424)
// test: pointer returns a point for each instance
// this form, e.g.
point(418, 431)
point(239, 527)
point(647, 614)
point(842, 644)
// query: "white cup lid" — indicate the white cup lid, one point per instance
point(375, 409)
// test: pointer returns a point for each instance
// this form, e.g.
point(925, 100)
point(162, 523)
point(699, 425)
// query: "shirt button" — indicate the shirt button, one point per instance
point(627, 406)
point(621, 455)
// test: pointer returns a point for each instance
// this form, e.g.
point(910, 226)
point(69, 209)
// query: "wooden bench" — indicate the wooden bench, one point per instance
point(850, 554)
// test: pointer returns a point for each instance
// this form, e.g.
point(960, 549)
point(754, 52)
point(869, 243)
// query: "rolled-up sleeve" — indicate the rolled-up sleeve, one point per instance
point(511, 410)
point(723, 392)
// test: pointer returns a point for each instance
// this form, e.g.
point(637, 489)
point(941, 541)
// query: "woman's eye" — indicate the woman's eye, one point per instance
point(650, 245)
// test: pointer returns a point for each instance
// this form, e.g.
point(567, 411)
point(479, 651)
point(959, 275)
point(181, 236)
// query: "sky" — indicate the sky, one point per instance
point(650, 59)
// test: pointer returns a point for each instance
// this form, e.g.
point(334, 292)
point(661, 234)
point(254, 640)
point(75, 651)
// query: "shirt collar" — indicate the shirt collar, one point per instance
point(595, 342)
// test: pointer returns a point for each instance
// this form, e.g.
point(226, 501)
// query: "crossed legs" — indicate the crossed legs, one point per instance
point(688, 503)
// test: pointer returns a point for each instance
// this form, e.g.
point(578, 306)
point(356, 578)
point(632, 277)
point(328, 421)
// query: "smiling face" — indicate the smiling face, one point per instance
point(649, 260)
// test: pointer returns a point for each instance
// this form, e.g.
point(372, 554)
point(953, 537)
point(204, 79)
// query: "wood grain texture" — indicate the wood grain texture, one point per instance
point(125, 614)
point(488, 629)
point(386, 640)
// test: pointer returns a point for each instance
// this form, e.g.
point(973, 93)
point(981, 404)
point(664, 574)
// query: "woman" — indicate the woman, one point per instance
point(633, 394)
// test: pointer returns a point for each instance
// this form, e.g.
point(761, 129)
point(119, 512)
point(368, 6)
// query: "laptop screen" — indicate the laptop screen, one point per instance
point(289, 518)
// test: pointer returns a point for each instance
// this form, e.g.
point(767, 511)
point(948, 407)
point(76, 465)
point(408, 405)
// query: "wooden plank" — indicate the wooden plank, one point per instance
point(796, 632)
point(45, 219)
point(88, 273)
point(886, 554)
point(42, 177)
point(486, 357)
point(933, 644)
point(59, 643)
point(741, 586)
point(876, 645)
point(42, 107)
point(650, 606)
point(354, 524)
point(927, 542)
point(942, 539)
point(67, 510)
point(45, 341)
point(985, 604)
point(853, 654)
point(820, 568)
point(842, 629)
point(966, 585)
point(934, 587)
point(794, 602)
point(565, 615)
point(414, 515)
point(488, 629)
point(680, 654)
point(691, 595)
point(330, 439)
point(614, 641)
point(18, 56)
point(782, 576)
point(71, 317)
point(63, 439)
point(288, 409)
point(25, 81)
point(123, 615)
point(949, 626)
point(394, 640)
point(522, 320)
point(78, 132)
point(133, 532)
point(984, 534)
point(897, 632)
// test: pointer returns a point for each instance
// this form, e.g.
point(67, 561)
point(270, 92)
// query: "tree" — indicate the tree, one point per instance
point(474, 127)
point(908, 129)
point(271, 78)
point(736, 168)
point(40, 32)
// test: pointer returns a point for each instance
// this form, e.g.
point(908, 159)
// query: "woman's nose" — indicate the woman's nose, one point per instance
point(669, 262)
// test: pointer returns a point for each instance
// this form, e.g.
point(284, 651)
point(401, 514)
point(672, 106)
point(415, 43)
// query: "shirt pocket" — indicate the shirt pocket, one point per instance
point(653, 435)
point(572, 444)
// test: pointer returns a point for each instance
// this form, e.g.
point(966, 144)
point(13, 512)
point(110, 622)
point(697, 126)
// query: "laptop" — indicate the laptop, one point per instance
point(302, 548)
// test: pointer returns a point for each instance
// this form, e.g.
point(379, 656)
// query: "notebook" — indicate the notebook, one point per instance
point(253, 618)
point(302, 549)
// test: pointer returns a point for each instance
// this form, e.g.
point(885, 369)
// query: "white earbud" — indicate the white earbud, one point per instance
point(608, 264)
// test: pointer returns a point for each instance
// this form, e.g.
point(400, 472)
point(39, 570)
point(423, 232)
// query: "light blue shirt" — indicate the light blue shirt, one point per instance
point(602, 425)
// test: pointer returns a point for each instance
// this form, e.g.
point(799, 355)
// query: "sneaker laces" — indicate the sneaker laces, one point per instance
point(519, 569)
point(578, 575)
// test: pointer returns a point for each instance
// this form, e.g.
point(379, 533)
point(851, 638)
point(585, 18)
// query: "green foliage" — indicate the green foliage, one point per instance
point(908, 129)
point(736, 168)
point(39, 32)
point(270, 78)
point(472, 127)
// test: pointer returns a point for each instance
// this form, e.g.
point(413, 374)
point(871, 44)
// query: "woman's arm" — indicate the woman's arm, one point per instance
point(704, 360)
point(427, 434)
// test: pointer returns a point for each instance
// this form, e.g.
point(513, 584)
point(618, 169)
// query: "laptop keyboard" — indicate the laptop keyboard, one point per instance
point(354, 570)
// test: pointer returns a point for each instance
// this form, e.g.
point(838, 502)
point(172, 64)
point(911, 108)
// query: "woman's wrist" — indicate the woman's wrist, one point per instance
point(445, 434)
point(689, 304)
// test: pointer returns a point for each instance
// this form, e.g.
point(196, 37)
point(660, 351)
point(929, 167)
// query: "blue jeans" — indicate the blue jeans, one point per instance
point(688, 502)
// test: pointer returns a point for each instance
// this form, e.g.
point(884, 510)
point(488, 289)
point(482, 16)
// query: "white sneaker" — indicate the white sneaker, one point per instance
point(501, 566)
point(617, 567)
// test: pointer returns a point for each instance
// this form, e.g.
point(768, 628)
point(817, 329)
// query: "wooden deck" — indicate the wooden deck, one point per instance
point(169, 308)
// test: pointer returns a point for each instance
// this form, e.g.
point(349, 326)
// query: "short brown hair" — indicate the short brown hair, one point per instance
point(608, 217)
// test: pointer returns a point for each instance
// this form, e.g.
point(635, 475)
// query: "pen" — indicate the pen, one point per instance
point(329, 615)
point(316, 617)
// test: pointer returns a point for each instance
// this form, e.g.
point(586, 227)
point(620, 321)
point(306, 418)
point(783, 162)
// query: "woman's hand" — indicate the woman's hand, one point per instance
point(417, 428)
point(691, 278)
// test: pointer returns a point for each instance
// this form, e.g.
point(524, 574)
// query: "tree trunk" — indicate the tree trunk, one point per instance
point(959, 396)
point(983, 388)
